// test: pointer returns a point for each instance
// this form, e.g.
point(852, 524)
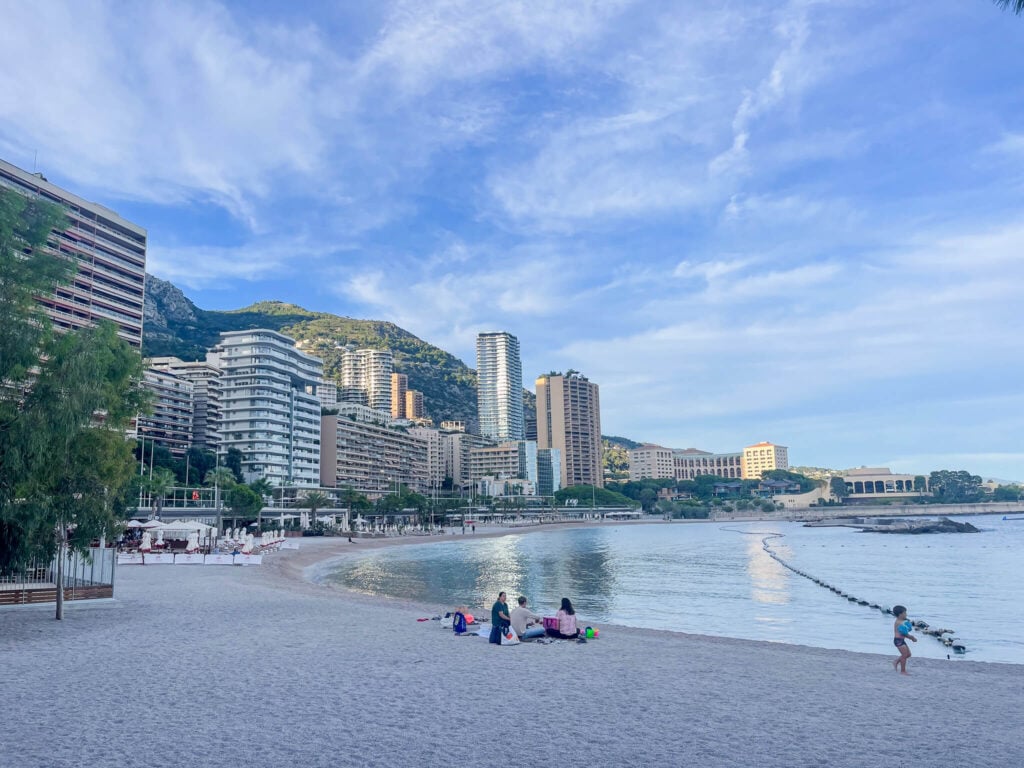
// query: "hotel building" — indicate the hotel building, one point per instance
point(763, 457)
point(650, 462)
point(499, 386)
point(266, 411)
point(569, 419)
point(689, 463)
point(108, 251)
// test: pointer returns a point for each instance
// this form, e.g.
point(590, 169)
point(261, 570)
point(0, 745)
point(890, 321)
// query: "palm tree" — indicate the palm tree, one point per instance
point(158, 485)
point(264, 488)
point(1016, 5)
point(219, 478)
point(314, 500)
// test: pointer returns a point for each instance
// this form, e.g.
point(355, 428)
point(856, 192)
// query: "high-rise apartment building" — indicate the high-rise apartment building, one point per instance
point(413, 404)
point(205, 380)
point(170, 423)
point(108, 251)
point(762, 457)
point(399, 386)
point(549, 471)
point(569, 419)
point(265, 409)
point(366, 378)
point(499, 386)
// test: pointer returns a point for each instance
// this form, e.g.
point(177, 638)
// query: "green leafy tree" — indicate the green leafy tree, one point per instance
point(1006, 493)
point(1017, 6)
point(233, 461)
point(244, 501)
point(955, 486)
point(838, 487)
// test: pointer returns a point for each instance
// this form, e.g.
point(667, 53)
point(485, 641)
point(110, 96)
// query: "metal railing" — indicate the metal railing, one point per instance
point(85, 577)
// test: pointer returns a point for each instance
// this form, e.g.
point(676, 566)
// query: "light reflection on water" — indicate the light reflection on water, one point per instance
point(714, 579)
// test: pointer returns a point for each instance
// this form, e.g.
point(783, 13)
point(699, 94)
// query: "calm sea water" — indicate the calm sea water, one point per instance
point(716, 579)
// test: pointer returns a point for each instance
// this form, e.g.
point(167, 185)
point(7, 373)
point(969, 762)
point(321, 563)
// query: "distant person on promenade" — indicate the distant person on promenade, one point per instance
point(524, 621)
point(900, 634)
point(567, 629)
point(499, 618)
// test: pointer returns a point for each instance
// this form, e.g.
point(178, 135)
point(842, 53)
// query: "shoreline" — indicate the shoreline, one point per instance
point(201, 666)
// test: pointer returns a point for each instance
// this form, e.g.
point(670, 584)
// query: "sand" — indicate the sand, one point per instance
point(218, 666)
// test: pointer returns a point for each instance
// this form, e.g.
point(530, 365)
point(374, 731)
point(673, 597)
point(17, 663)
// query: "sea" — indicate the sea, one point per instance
point(719, 579)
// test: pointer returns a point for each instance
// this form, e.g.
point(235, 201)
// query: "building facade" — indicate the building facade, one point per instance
point(763, 457)
point(569, 419)
point(650, 462)
point(869, 484)
point(108, 251)
point(365, 378)
point(170, 424)
point(361, 450)
point(549, 471)
point(399, 386)
point(689, 463)
point(266, 411)
point(205, 380)
point(413, 404)
point(499, 386)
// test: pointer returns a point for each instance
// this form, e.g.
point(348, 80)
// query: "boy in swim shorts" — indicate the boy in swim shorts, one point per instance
point(901, 633)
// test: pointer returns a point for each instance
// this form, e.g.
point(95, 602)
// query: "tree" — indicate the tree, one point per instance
point(158, 485)
point(838, 487)
point(1016, 5)
point(233, 461)
point(955, 487)
point(244, 501)
point(65, 448)
point(1006, 493)
point(314, 500)
point(222, 480)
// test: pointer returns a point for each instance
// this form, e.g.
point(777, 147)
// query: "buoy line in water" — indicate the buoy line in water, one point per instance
point(944, 636)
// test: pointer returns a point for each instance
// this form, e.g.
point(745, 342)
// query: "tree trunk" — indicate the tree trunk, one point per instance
point(60, 572)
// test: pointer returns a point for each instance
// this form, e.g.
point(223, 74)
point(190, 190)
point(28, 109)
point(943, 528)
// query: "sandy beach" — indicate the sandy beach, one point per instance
point(214, 666)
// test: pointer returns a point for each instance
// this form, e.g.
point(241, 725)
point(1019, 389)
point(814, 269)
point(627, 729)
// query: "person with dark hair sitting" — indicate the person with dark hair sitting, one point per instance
point(567, 629)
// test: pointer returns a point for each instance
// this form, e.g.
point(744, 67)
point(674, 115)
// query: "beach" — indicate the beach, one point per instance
point(213, 666)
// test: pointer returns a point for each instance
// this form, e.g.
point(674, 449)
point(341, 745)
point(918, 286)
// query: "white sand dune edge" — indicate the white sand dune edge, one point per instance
point(261, 667)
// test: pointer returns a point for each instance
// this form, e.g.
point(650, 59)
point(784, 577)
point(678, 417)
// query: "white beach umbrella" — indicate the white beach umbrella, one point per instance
point(133, 524)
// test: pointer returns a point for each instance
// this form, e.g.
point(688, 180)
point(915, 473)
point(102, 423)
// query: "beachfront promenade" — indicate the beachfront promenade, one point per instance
point(258, 667)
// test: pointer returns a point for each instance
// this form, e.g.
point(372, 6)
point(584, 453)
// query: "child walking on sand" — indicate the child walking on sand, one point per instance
point(901, 633)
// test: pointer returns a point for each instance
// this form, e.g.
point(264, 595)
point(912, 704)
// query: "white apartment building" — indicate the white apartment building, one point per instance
point(650, 462)
point(108, 251)
point(762, 457)
point(362, 450)
point(265, 409)
point(513, 459)
point(205, 380)
point(435, 459)
point(170, 424)
point(499, 396)
point(365, 377)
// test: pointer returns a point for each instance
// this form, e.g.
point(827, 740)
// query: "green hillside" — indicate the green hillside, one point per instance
point(175, 326)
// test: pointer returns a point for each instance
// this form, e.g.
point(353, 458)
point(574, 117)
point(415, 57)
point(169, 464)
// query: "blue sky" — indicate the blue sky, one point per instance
point(788, 221)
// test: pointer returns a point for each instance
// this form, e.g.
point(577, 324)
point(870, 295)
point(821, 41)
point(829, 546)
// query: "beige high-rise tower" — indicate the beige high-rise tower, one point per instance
point(399, 386)
point(569, 419)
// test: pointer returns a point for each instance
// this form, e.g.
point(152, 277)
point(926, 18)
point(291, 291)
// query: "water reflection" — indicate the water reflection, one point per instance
point(769, 581)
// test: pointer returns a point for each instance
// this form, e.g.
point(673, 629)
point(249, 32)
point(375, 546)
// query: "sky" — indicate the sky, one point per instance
point(800, 222)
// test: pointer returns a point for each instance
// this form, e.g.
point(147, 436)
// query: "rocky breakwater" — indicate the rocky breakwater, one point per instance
point(942, 525)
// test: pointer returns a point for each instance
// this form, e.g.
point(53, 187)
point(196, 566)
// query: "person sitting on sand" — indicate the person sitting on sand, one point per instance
point(901, 633)
point(499, 618)
point(567, 629)
point(524, 621)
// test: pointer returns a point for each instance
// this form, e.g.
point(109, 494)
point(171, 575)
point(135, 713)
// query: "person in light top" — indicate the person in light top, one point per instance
point(567, 629)
point(524, 621)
